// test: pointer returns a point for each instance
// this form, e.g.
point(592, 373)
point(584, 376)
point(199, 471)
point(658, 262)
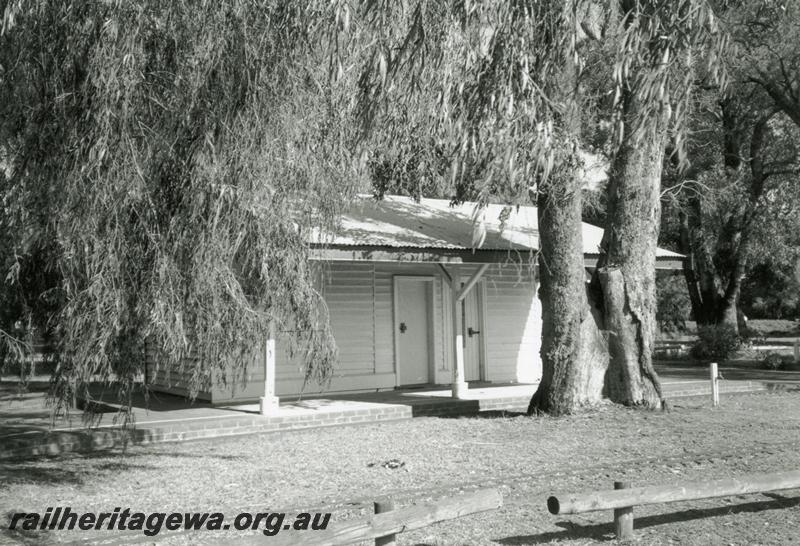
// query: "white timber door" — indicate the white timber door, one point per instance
point(412, 329)
point(472, 323)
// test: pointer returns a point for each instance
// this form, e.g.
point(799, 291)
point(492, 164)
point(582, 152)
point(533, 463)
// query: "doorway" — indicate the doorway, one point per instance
point(472, 332)
point(413, 322)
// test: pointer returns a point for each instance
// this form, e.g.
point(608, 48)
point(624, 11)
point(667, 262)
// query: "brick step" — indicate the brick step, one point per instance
point(85, 440)
point(38, 443)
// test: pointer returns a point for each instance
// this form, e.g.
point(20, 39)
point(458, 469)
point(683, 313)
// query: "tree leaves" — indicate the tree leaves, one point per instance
point(159, 153)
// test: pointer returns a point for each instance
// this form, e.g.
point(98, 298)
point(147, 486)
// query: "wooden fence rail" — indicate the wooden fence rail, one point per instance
point(384, 525)
point(623, 499)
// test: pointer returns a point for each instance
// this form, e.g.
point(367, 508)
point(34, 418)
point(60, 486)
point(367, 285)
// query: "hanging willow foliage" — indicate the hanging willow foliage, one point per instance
point(482, 82)
point(162, 160)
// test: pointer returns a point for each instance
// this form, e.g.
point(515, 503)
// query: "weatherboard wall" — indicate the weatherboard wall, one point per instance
point(360, 302)
point(359, 297)
point(513, 324)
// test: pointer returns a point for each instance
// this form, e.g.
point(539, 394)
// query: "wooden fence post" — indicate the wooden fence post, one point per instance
point(380, 508)
point(714, 385)
point(384, 526)
point(623, 517)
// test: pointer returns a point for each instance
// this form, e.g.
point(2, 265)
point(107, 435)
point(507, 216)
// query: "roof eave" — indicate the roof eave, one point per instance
point(383, 253)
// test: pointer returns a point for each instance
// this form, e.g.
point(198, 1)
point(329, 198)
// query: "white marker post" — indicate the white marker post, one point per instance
point(714, 385)
point(269, 403)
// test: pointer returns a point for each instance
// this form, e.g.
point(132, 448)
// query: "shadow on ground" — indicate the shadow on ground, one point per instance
point(605, 531)
point(490, 414)
point(80, 468)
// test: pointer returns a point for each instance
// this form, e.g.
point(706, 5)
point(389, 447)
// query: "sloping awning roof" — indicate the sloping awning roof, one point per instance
point(432, 227)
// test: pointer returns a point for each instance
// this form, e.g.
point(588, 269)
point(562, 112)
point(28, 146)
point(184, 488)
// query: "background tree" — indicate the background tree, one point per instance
point(160, 160)
point(767, 34)
point(744, 162)
point(772, 291)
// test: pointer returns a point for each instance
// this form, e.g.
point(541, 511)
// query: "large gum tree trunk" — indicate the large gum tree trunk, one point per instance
point(574, 354)
point(627, 273)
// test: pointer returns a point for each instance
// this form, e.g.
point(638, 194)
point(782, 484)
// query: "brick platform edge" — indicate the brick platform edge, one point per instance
point(85, 440)
point(36, 443)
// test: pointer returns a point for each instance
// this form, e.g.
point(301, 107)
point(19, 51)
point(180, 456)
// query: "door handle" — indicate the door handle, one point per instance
point(471, 332)
point(403, 328)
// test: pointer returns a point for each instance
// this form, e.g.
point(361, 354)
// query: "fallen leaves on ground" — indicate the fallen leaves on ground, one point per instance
point(345, 469)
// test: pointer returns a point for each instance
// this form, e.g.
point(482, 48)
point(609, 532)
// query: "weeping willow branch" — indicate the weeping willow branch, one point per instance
point(161, 158)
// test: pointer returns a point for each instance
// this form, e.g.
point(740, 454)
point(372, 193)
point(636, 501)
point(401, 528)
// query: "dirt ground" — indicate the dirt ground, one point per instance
point(340, 470)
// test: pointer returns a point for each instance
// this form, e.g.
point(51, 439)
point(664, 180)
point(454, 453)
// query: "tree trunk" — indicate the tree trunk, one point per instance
point(627, 275)
point(698, 267)
point(728, 308)
point(710, 305)
point(690, 269)
point(574, 353)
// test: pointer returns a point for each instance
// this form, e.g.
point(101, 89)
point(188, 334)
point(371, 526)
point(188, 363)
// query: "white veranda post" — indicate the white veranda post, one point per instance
point(457, 295)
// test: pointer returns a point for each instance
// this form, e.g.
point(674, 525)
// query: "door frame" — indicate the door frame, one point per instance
point(396, 322)
point(480, 293)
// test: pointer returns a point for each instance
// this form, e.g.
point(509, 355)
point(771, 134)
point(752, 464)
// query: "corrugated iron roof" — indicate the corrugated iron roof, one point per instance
point(401, 222)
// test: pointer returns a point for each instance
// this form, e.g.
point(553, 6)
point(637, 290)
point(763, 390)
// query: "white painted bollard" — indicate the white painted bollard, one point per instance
point(269, 403)
point(714, 384)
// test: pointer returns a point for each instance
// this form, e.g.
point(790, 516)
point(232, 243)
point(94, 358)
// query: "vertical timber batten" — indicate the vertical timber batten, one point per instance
point(374, 326)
